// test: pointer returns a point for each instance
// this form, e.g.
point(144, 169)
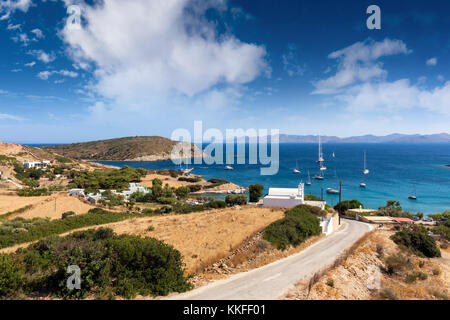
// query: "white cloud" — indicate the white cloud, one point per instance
point(6, 116)
point(21, 37)
point(44, 75)
point(431, 62)
point(43, 56)
point(290, 61)
point(158, 51)
point(358, 63)
point(9, 6)
point(37, 33)
point(30, 64)
point(13, 27)
point(396, 96)
point(360, 86)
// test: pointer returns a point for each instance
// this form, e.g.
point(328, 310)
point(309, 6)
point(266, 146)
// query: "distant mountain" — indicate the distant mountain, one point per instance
point(392, 138)
point(122, 149)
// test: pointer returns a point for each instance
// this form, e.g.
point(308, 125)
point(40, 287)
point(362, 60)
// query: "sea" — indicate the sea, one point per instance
point(396, 171)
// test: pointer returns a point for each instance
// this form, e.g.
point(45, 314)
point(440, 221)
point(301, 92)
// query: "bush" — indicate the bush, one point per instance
point(311, 197)
point(255, 191)
point(236, 199)
point(190, 179)
point(343, 206)
point(215, 204)
point(11, 276)
point(62, 159)
point(418, 242)
point(68, 214)
point(395, 263)
point(194, 187)
point(443, 230)
point(30, 192)
point(182, 192)
point(165, 200)
point(298, 225)
point(123, 265)
point(412, 277)
point(215, 183)
point(40, 228)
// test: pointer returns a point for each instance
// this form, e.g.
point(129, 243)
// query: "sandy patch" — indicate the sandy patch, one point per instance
point(11, 201)
point(54, 206)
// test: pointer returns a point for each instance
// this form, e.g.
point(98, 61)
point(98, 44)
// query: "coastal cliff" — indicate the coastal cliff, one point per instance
point(152, 148)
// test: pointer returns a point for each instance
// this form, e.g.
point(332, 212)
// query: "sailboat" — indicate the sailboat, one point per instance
point(333, 155)
point(413, 196)
point(366, 171)
point(333, 190)
point(321, 160)
point(296, 168)
point(308, 183)
point(319, 176)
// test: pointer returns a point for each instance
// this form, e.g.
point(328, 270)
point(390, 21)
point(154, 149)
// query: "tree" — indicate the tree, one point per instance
point(343, 206)
point(255, 191)
point(182, 192)
point(392, 209)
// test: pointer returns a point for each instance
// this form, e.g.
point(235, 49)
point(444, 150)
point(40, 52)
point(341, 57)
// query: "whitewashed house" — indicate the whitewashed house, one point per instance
point(36, 164)
point(77, 192)
point(289, 198)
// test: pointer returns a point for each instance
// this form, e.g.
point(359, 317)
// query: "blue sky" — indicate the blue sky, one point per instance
point(146, 67)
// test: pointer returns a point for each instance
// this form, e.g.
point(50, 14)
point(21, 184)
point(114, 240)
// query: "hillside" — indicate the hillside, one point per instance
point(392, 138)
point(122, 149)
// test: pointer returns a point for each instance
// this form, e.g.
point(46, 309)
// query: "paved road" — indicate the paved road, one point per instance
point(273, 280)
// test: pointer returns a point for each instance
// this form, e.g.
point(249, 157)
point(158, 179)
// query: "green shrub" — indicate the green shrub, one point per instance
point(215, 183)
point(117, 265)
point(190, 179)
point(164, 200)
point(11, 276)
point(41, 228)
point(215, 204)
point(443, 230)
point(182, 192)
point(62, 159)
point(68, 214)
point(395, 263)
point(194, 187)
point(236, 199)
point(311, 197)
point(412, 277)
point(343, 206)
point(298, 225)
point(30, 192)
point(419, 242)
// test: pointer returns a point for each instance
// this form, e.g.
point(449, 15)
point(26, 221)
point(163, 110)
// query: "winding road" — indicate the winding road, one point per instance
point(273, 280)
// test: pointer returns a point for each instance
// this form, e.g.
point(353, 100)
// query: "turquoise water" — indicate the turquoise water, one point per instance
point(395, 169)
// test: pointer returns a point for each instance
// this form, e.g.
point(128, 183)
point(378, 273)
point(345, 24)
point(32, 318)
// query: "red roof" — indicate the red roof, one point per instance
point(403, 220)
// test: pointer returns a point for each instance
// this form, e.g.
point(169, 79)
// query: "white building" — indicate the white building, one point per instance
point(36, 164)
point(289, 198)
point(76, 192)
point(285, 197)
